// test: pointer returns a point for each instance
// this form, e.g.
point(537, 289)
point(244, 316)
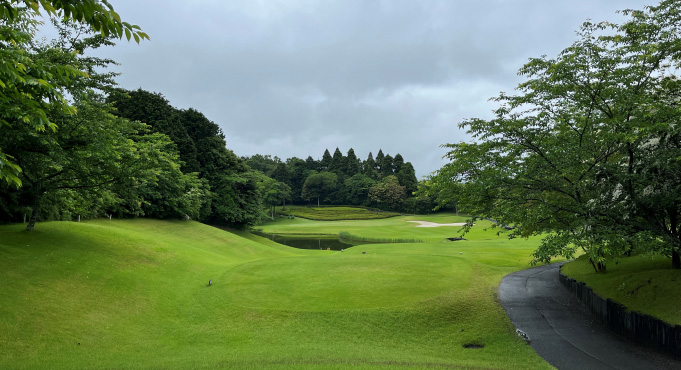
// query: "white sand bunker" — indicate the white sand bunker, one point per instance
point(435, 224)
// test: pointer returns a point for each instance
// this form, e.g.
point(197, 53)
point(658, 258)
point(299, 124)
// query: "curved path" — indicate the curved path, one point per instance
point(561, 329)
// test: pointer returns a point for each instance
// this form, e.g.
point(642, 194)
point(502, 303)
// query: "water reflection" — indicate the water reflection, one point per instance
point(308, 241)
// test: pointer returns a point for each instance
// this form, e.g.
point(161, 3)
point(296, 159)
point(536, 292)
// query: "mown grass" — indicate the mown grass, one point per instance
point(357, 238)
point(389, 228)
point(336, 213)
point(644, 283)
point(133, 294)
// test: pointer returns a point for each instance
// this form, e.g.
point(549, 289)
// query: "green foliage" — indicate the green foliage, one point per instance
point(319, 186)
point(330, 213)
point(357, 188)
point(388, 193)
point(96, 163)
point(272, 192)
point(582, 152)
point(155, 110)
point(354, 177)
point(202, 148)
point(32, 86)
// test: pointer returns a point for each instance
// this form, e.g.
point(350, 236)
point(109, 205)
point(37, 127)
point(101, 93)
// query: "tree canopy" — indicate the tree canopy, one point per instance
point(32, 87)
point(587, 152)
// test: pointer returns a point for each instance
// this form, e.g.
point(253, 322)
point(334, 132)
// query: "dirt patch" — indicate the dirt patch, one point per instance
point(473, 346)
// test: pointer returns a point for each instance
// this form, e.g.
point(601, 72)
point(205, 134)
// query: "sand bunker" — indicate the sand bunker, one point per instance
point(434, 224)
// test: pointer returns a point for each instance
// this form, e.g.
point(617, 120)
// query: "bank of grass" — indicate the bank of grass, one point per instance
point(133, 294)
point(357, 238)
point(644, 283)
point(396, 228)
point(335, 213)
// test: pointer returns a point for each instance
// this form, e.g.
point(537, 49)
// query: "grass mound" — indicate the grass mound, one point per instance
point(336, 213)
point(133, 294)
point(644, 283)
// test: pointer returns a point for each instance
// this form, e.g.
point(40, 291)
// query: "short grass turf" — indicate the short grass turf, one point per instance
point(644, 283)
point(335, 213)
point(133, 294)
point(389, 228)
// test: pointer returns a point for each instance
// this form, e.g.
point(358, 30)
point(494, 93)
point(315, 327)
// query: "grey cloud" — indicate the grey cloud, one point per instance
point(292, 78)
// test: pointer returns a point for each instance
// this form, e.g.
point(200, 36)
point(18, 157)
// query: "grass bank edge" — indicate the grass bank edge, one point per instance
point(644, 283)
point(336, 213)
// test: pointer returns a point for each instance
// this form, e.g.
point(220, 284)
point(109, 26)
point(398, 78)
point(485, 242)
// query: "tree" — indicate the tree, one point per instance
point(398, 162)
point(298, 171)
point(263, 163)
point(369, 167)
point(380, 159)
point(352, 164)
point(388, 193)
point(407, 177)
point(326, 162)
point(312, 164)
point(272, 192)
point(319, 185)
point(155, 110)
point(280, 172)
point(31, 88)
point(338, 163)
point(96, 162)
point(358, 189)
point(577, 156)
point(235, 199)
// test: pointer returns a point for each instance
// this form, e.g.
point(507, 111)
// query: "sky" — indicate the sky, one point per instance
point(293, 78)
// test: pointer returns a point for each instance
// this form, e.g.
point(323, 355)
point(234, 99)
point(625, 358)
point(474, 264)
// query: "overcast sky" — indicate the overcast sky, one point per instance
point(292, 78)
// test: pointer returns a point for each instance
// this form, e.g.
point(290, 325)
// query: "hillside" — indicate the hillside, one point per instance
point(133, 294)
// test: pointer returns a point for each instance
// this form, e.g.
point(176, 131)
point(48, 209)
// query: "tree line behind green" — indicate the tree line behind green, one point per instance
point(384, 182)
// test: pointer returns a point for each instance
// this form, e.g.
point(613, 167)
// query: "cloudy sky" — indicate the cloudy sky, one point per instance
point(292, 78)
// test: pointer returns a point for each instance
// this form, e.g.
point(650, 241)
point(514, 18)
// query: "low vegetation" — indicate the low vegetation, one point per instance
point(643, 283)
point(336, 213)
point(357, 238)
point(134, 294)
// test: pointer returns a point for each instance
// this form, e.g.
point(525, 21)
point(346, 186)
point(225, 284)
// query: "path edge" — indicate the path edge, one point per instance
point(635, 326)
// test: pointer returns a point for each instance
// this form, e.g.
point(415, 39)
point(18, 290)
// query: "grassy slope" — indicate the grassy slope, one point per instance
point(644, 283)
point(336, 213)
point(133, 294)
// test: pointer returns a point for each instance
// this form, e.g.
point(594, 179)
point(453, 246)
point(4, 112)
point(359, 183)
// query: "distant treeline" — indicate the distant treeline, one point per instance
point(108, 152)
point(384, 182)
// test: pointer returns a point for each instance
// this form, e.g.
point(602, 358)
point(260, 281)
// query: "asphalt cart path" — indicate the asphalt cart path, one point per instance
point(563, 332)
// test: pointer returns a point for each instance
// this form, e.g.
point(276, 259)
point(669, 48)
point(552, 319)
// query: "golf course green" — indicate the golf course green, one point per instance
point(134, 294)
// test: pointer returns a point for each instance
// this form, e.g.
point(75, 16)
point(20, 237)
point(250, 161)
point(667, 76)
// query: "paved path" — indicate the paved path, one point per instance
point(563, 332)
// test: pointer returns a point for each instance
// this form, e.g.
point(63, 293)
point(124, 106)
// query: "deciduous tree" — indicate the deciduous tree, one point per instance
point(586, 152)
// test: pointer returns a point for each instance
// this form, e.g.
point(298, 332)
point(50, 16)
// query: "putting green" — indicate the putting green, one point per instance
point(348, 280)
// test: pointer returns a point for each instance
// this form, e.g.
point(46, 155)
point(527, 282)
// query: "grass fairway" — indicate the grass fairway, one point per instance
point(132, 295)
point(387, 228)
point(644, 283)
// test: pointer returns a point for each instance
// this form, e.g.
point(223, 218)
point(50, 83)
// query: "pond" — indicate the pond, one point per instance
point(309, 241)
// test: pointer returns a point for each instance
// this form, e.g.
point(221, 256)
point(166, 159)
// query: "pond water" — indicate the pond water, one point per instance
point(308, 241)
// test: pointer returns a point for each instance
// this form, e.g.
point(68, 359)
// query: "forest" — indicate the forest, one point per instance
point(81, 147)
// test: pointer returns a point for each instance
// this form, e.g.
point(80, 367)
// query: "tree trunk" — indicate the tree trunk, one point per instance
point(34, 214)
point(283, 207)
point(676, 260)
point(598, 267)
point(317, 201)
